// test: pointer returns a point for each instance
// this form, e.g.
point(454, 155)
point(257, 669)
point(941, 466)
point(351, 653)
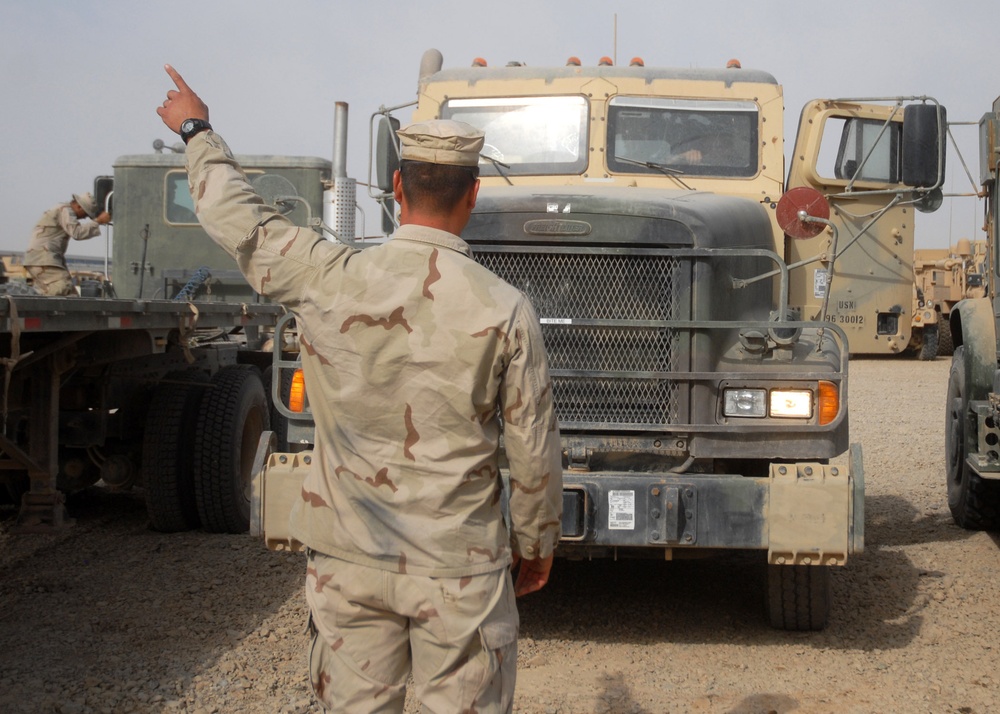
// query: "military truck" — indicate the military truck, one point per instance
point(865, 160)
point(942, 277)
point(159, 377)
point(645, 213)
point(972, 409)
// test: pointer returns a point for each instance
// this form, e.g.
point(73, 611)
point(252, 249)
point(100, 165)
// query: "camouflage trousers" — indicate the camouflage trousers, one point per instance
point(373, 628)
point(51, 280)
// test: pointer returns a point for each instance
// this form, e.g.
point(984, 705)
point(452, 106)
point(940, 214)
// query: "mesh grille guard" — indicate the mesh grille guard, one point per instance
point(605, 317)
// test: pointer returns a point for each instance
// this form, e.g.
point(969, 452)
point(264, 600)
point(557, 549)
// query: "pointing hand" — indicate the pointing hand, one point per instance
point(181, 103)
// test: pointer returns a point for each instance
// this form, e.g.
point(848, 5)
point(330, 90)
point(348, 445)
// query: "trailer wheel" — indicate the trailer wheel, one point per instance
point(798, 596)
point(974, 502)
point(946, 348)
point(929, 346)
point(233, 415)
point(166, 470)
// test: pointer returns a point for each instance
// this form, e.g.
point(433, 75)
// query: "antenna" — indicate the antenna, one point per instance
point(615, 44)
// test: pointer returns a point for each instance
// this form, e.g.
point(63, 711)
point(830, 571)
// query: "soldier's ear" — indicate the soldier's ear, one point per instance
point(473, 193)
point(397, 185)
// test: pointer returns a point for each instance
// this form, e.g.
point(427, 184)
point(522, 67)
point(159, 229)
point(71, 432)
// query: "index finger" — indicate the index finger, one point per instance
point(178, 79)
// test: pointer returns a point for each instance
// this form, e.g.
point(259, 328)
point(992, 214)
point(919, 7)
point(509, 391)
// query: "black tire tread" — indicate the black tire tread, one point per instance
point(946, 347)
point(929, 346)
point(166, 469)
point(218, 444)
point(974, 502)
point(798, 596)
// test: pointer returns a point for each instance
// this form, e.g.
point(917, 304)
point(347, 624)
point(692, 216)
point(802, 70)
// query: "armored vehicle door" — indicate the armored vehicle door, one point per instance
point(877, 165)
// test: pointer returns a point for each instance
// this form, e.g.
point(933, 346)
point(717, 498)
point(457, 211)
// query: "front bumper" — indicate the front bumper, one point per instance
point(801, 513)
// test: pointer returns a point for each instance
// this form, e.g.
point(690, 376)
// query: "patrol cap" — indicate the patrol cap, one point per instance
point(86, 202)
point(441, 141)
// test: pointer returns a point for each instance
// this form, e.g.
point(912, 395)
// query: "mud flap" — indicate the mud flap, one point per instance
point(277, 484)
point(816, 512)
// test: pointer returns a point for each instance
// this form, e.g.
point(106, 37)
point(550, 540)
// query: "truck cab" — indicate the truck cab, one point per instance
point(159, 248)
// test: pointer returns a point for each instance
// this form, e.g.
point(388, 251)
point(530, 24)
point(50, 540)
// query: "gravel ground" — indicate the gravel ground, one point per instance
point(109, 616)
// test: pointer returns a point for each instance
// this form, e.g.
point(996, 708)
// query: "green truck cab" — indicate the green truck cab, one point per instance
point(158, 244)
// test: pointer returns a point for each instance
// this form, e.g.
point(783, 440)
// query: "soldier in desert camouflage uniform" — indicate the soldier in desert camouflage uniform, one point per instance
point(409, 349)
point(45, 259)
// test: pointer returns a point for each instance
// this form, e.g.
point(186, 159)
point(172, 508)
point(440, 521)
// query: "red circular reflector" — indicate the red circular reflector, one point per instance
point(795, 200)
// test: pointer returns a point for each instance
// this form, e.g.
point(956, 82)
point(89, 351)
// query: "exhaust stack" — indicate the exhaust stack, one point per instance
point(340, 199)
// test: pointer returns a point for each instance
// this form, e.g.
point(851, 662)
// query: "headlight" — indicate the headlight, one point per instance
point(791, 403)
point(757, 402)
point(745, 403)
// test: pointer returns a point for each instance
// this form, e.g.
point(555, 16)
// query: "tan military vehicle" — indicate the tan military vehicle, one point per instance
point(972, 407)
point(942, 277)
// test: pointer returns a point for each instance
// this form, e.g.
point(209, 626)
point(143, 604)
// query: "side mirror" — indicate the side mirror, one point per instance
point(925, 127)
point(276, 191)
point(386, 152)
point(104, 186)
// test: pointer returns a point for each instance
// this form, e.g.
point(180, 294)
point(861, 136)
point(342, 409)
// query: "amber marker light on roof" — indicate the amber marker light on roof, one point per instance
point(478, 62)
point(605, 62)
point(637, 62)
point(573, 62)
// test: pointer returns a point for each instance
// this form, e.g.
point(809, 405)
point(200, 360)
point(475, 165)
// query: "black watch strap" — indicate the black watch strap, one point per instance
point(190, 127)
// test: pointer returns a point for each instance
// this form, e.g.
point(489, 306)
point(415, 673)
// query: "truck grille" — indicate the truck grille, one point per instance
point(604, 315)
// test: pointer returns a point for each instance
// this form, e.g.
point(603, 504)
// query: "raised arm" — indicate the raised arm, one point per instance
point(279, 259)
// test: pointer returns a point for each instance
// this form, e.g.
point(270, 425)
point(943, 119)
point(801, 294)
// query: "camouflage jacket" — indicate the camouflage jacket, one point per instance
point(409, 348)
point(52, 233)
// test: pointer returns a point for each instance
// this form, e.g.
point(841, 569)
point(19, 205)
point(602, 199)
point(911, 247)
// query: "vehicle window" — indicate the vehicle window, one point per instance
point(697, 137)
point(866, 150)
point(179, 206)
point(532, 135)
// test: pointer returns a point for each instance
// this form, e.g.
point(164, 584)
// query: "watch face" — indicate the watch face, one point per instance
point(187, 125)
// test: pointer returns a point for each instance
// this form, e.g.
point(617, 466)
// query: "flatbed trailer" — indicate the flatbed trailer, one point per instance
point(165, 394)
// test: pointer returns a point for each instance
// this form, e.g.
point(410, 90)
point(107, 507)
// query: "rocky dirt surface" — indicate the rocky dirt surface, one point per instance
point(109, 616)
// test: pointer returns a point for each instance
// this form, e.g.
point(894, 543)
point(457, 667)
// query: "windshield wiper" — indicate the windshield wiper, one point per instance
point(665, 170)
point(497, 164)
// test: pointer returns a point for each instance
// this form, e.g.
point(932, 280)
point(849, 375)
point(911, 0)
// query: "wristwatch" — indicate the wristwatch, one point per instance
point(190, 127)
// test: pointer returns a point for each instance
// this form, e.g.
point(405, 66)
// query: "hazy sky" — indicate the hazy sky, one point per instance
point(81, 80)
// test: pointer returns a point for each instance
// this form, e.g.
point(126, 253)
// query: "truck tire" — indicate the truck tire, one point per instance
point(929, 346)
point(798, 596)
point(974, 502)
point(166, 471)
point(946, 348)
point(233, 414)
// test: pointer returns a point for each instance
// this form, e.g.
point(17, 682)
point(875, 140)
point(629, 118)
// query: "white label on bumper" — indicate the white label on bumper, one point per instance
point(621, 510)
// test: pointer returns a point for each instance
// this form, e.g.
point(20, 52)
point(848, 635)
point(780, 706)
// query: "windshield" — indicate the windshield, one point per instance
point(689, 137)
point(531, 135)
